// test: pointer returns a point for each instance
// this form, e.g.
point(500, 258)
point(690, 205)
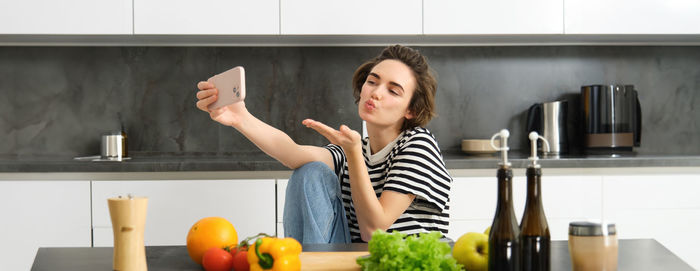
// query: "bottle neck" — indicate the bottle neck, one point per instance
point(505, 187)
point(534, 185)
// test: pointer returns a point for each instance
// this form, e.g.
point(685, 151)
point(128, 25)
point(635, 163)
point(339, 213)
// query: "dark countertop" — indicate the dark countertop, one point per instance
point(634, 254)
point(258, 161)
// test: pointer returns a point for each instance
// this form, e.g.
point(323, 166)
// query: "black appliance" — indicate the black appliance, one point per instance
point(612, 118)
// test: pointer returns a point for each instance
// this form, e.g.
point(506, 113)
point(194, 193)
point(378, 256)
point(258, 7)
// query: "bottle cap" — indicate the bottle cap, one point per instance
point(503, 134)
point(533, 136)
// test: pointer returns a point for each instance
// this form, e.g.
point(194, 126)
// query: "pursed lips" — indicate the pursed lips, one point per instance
point(369, 105)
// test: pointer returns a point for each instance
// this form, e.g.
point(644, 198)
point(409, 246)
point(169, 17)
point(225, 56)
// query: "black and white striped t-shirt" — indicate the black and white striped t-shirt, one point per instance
point(412, 164)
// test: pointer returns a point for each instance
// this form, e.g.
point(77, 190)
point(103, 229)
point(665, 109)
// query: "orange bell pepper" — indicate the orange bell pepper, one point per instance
point(277, 254)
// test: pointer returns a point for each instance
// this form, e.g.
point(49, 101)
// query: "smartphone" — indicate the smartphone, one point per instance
point(231, 85)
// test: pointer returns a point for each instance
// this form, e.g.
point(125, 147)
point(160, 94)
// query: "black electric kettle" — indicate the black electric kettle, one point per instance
point(612, 117)
point(549, 120)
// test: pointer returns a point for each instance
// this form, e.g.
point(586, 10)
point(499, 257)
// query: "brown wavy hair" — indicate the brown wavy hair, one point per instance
point(422, 104)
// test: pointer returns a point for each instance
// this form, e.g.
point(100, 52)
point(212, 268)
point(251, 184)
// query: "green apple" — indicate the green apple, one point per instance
point(471, 250)
point(487, 231)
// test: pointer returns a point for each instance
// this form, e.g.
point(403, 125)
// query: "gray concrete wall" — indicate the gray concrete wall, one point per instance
point(59, 100)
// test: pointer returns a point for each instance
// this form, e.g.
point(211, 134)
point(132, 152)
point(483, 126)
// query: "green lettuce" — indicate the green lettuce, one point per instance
point(395, 251)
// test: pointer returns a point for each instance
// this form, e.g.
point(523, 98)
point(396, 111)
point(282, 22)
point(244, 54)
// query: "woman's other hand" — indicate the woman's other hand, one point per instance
point(350, 140)
point(226, 115)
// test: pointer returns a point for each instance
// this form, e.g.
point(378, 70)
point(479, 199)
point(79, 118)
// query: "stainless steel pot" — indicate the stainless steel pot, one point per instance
point(114, 146)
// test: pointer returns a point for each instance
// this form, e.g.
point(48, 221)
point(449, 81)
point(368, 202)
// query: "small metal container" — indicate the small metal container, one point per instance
point(114, 146)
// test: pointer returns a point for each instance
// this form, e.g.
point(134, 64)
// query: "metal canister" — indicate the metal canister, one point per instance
point(114, 146)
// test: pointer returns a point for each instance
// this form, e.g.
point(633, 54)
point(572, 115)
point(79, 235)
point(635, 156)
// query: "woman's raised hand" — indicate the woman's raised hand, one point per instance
point(350, 140)
point(226, 115)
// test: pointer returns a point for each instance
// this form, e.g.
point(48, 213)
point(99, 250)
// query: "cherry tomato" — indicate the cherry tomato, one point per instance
point(217, 259)
point(240, 259)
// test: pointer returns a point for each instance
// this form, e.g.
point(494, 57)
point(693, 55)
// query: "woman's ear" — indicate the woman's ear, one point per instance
point(409, 115)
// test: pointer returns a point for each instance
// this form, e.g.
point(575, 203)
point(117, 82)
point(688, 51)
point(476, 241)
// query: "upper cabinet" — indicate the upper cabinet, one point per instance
point(632, 17)
point(359, 22)
point(361, 17)
point(66, 17)
point(214, 17)
point(493, 17)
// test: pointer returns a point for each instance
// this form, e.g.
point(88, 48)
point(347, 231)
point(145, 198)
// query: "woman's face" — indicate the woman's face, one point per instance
point(386, 94)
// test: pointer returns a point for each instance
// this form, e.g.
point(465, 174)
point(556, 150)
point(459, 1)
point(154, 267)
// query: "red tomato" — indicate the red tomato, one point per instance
point(217, 259)
point(240, 259)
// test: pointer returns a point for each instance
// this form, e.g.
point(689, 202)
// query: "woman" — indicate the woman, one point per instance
point(395, 179)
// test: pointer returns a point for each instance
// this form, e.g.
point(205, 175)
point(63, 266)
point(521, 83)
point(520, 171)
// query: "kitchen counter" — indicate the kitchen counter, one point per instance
point(634, 254)
point(258, 161)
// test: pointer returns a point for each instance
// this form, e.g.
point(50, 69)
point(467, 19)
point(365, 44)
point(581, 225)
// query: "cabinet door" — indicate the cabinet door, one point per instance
point(41, 214)
point(493, 17)
point(472, 205)
point(314, 17)
point(218, 17)
point(174, 206)
point(66, 17)
point(663, 207)
point(565, 199)
point(632, 17)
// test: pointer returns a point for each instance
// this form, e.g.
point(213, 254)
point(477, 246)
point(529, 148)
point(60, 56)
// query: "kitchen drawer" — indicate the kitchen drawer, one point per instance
point(558, 227)
point(174, 206)
point(206, 17)
point(460, 227)
point(493, 17)
point(41, 214)
point(565, 199)
point(320, 17)
point(643, 17)
point(663, 206)
point(676, 229)
point(74, 17)
point(651, 192)
point(473, 198)
point(562, 196)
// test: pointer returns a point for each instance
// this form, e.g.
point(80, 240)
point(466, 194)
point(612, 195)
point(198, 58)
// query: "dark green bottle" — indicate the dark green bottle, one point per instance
point(534, 230)
point(504, 238)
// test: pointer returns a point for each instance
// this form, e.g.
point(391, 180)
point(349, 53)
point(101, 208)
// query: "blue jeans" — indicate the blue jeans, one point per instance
point(313, 208)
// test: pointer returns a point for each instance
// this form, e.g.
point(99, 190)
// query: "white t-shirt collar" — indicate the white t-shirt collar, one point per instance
point(380, 155)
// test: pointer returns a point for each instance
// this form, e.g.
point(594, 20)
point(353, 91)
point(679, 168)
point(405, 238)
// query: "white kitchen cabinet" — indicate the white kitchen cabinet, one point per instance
point(364, 17)
point(41, 214)
point(473, 204)
point(493, 17)
point(632, 17)
point(214, 17)
point(663, 207)
point(565, 199)
point(66, 17)
point(174, 206)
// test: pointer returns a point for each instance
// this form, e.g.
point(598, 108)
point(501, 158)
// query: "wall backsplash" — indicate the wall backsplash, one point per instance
point(59, 100)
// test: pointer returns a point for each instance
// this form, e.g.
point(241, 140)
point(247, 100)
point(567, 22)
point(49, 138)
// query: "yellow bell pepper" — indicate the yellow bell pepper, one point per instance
point(277, 254)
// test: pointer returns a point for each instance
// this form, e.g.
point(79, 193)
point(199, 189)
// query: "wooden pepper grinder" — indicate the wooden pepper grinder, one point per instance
point(128, 223)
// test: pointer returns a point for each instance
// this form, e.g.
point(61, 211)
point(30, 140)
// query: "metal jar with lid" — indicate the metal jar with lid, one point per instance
point(114, 146)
